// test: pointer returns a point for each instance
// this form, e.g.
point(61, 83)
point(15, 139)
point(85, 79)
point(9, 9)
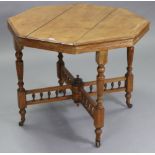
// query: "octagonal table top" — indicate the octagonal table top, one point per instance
point(77, 28)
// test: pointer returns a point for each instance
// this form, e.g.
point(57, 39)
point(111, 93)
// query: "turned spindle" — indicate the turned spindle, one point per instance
point(119, 84)
point(105, 86)
point(112, 85)
point(49, 94)
point(41, 95)
point(64, 92)
point(33, 96)
point(91, 88)
point(56, 93)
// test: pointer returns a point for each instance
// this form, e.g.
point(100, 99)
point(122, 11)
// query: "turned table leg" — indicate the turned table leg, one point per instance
point(60, 64)
point(101, 59)
point(129, 76)
point(20, 91)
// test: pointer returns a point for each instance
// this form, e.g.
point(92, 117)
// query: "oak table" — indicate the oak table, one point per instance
point(76, 29)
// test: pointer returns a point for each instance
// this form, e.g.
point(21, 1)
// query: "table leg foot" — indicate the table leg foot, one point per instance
point(98, 143)
point(21, 123)
point(130, 105)
point(128, 97)
point(98, 132)
point(22, 114)
point(77, 104)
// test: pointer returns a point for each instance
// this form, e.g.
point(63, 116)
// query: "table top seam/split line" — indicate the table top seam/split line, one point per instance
point(51, 20)
point(96, 24)
point(74, 6)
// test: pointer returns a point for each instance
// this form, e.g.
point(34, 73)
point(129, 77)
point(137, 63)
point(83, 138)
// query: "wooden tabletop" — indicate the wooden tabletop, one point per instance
point(78, 28)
